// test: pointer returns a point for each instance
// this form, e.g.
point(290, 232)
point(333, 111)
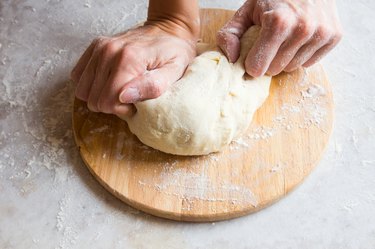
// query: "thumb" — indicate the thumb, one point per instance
point(228, 37)
point(151, 84)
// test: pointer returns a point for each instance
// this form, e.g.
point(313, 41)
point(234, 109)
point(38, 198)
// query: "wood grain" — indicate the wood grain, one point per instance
point(283, 144)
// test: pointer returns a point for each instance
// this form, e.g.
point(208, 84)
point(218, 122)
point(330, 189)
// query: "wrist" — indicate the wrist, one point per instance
point(177, 17)
point(175, 27)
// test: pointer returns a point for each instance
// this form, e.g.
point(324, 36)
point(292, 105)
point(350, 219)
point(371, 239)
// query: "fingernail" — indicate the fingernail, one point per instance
point(130, 95)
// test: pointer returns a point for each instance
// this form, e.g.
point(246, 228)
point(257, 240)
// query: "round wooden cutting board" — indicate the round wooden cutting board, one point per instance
point(283, 144)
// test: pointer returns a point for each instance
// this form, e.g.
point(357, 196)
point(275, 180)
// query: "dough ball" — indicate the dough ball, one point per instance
point(212, 104)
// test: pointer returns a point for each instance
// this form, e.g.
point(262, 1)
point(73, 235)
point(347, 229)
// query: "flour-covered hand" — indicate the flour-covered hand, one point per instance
point(294, 33)
point(115, 72)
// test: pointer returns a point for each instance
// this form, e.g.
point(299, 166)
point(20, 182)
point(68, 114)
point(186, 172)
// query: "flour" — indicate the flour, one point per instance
point(290, 108)
point(46, 65)
point(100, 129)
point(261, 132)
point(240, 141)
point(367, 162)
point(338, 148)
point(213, 157)
point(87, 5)
point(312, 105)
point(69, 234)
point(191, 186)
point(60, 217)
point(314, 91)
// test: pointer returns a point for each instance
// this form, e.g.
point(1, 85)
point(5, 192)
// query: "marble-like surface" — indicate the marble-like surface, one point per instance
point(48, 199)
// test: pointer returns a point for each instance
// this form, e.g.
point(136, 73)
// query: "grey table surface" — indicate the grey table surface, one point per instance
point(48, 199)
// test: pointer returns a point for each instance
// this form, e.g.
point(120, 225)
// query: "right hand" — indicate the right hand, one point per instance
point(293, 33)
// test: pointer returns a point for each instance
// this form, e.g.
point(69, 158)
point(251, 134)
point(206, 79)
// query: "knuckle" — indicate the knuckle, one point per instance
point(323, 33)
point(305, 28)
point(110, 48)
point(99, 41)
point(338, 36)
point(277, 20)
point(129, 52)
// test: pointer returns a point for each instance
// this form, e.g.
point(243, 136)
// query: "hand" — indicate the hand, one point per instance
point(293, 33)
point(115, 72)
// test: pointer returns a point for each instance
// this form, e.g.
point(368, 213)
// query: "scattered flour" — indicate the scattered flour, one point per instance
point(191, 186)
point(100, 129)
point(367, 162)
point(240, 141)
point(87, 5)
point(313, 91)
point(261, 132)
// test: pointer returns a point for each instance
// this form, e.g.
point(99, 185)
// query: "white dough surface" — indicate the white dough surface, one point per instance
point(212, 104)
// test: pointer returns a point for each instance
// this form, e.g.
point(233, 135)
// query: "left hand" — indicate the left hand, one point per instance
point(140, 64)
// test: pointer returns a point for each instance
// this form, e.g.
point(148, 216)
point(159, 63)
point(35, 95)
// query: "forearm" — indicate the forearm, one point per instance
point(179, 17)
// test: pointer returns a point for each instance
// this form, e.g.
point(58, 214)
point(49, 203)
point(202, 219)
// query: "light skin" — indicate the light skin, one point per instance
point(140, 64)
point(115, 72)
point(294, 33)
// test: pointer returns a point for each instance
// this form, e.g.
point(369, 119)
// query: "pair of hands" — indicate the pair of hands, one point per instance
point(115, 72)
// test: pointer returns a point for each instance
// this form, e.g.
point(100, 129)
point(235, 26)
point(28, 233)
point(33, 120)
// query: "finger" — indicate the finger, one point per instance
point(322, 51)
point(77, 71)
point(307, 51)
point(151, 84)
point(127, 66)
point(105, 63)
point(289, 48)
point(274, 31)
point(124, 110)
point(228, 38)
point(87, 78)
point(229, 44)
point(318, 55)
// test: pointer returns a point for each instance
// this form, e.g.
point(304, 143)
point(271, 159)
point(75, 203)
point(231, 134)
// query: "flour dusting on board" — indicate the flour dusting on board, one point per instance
point(311, 104)
point(193, 186)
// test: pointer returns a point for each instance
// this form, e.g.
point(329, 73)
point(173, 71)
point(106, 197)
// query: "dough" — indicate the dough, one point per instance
point(212, 104)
